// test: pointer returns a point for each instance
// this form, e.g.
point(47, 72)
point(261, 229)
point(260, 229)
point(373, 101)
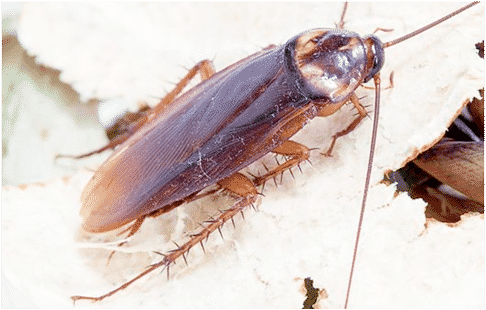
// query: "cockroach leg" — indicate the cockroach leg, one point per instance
point(125, 123)
point(297, 153)
point(204, 68)
point(362, 114)
point(111, 145)
point(133, 228)
point(237, 184)
point(119, 139)
point(390, 78)
point(383, 29)
point(193, 197)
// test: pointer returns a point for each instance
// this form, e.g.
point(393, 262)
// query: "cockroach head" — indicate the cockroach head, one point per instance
point(375, 55)
point(329, 64)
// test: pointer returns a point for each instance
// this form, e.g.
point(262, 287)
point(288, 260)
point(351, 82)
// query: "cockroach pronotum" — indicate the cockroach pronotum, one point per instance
point(198, 144)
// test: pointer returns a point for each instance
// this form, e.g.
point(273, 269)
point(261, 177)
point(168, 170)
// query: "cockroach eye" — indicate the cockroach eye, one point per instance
point(170, 154)
point(375, 53)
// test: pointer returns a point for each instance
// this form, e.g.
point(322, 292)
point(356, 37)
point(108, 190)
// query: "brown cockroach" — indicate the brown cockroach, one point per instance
point(450, 175)
point(93, 220)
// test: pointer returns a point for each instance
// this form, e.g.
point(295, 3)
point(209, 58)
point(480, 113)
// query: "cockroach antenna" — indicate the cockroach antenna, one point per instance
point(205, 136)
point(375, 130)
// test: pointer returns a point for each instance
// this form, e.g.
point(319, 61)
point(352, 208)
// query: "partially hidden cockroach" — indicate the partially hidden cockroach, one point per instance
point(207, 135)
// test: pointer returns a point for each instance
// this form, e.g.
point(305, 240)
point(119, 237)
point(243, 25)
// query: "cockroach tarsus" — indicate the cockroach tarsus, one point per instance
point(303, 95)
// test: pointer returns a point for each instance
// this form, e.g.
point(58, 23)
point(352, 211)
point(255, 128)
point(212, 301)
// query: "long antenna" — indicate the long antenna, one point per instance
point(375, 130)
point(418, 31)
point(368, 177)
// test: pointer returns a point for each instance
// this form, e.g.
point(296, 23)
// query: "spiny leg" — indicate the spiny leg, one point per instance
point(204, 68)
point(237, 184)
point(297, 153)
point(175, 254)
point(390, 86)
point(352, 126)
point(135, 226)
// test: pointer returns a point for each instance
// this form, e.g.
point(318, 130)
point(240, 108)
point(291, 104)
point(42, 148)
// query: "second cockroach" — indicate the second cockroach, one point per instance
point(209, 144)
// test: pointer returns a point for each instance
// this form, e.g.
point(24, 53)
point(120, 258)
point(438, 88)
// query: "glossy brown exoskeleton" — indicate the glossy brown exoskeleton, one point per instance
point(231, 119)
point(227, 122)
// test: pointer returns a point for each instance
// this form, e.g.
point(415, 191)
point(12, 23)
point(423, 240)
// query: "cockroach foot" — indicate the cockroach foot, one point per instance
point(171, 257)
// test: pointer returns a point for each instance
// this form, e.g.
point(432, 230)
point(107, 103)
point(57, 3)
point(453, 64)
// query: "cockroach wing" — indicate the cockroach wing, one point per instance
point(213, 130)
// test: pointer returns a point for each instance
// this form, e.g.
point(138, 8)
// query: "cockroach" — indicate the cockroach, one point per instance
point(450, 175)
point(207, 135)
